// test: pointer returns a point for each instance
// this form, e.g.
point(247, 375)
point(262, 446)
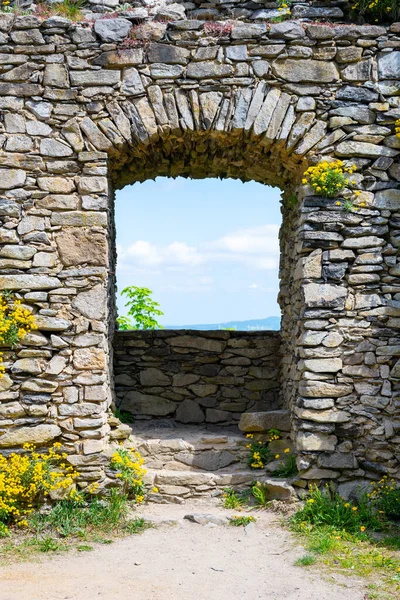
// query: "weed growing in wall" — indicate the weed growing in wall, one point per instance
point(259, 454)
point(376, 11)
point(327, 178)
point(15, 322)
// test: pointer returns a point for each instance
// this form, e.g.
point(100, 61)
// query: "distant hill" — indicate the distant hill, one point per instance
point(268, 324)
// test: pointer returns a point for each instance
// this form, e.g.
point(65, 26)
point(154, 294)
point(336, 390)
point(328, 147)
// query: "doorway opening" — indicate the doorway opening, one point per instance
point(207, 249)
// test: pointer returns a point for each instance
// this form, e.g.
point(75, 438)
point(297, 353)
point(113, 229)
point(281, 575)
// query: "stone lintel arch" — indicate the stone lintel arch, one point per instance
point(258, 104)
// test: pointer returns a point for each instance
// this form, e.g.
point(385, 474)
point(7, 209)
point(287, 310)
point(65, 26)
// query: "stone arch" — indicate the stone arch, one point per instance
point(257, 103)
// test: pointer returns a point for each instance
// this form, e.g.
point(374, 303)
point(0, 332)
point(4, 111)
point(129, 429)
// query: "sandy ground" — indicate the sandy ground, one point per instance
point(181, 561)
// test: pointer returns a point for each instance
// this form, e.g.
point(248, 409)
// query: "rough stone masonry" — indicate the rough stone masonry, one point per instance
point(87, 108)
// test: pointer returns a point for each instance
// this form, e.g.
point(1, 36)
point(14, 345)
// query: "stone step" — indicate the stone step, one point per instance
point(177, 486)
point(191, 449)
point(180, 485)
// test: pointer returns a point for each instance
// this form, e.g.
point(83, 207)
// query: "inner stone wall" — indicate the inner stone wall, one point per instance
point(196, 377)
point(88, 108)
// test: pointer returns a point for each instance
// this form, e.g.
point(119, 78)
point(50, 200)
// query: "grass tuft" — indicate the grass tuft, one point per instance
point(305, 561)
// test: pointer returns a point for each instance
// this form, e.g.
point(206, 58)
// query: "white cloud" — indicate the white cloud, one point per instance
point(258, 240)
point(255, 248)
point(143, 253)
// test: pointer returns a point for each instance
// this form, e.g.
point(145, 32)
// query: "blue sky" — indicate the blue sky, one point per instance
point(207, 248)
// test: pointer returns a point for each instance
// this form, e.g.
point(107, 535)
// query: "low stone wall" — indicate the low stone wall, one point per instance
point(196, 377)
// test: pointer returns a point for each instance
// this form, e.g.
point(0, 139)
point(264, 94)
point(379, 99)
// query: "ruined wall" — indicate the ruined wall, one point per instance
point(196, 377)
point(86, 109)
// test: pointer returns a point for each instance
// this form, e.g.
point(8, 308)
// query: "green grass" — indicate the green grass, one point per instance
point(351, 538)
point(70, 524)
point(305, 561)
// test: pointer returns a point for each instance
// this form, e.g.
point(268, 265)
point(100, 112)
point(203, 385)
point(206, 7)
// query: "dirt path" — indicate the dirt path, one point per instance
point(184, 561)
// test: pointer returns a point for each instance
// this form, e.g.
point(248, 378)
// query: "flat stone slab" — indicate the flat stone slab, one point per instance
point(205, 519)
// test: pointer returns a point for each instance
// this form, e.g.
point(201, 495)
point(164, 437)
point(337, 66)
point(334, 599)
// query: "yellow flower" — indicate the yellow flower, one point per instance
point(250, 435)
point(362, 528)
point(155, 490)
point(354, 508)
point(311, 501)
point(338, 203)
point(286, 450)
point(347, 505)
point(277, 455)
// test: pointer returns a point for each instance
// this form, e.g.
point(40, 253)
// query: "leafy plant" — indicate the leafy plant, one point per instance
point(124, 416)
point(348, 206)
point(326, 507)
point(288, 467)
point(241, 521)
point(327, 178)
point(274, 434)
point(141, 307)
point(232, 499)
point(260, 494)
point(377, 10)
point(259, 454)
point(386, 497)
point(129, 467)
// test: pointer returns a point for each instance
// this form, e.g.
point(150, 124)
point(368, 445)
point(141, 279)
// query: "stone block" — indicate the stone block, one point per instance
point(263, 421)
point(315, 442)
point(40, 434)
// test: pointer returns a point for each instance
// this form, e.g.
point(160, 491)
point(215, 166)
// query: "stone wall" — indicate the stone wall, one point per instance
point(196, 377)
point(253, 10)
point(87, 108)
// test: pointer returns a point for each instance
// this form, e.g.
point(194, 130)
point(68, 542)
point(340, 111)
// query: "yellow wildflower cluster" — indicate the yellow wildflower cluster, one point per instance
point(15, 322)
point(26, 478)
point(377, 10)
point(129, 467)
point(327, 178)
point(383, 487)
point(397, 128)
